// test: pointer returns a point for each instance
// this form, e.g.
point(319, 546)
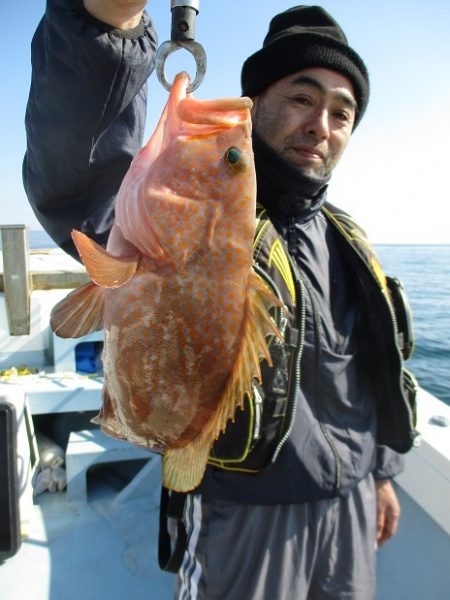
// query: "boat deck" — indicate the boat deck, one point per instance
point(106, 548)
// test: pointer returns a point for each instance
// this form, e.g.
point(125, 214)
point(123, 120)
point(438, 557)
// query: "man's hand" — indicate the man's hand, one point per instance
point(123, 14)
point(388, 511)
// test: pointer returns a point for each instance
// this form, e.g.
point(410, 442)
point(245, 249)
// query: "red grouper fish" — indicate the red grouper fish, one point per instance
point(185, 316)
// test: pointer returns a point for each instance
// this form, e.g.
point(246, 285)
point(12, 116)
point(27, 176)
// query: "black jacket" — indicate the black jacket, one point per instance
point(348, 406)
point(85, 120)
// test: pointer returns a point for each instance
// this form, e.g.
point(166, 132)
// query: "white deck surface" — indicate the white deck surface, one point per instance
point(104, 550)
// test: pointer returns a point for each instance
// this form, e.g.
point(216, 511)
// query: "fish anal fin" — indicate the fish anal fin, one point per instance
point(104, 269)
point(183, 468)
point(79, 313)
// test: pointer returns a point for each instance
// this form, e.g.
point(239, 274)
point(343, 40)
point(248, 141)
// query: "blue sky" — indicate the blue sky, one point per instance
point(393, 175)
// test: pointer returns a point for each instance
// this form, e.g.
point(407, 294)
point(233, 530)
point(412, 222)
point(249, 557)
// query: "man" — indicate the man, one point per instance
point(306, 522)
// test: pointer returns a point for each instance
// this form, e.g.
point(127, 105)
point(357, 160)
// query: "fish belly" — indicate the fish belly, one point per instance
point(170, 344)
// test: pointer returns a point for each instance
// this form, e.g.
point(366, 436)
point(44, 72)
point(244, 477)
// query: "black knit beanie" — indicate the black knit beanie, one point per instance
point(303, 37)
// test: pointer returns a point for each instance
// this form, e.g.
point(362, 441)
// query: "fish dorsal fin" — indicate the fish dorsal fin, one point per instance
point(104, 269)
point(79, 313)
point(183, 468)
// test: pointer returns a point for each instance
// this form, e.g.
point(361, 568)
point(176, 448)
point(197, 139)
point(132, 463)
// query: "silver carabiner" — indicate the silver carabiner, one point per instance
point(184, 13)
point(168, 48)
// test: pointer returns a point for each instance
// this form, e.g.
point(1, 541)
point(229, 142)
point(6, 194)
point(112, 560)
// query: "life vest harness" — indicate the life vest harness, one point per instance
point(254, 438)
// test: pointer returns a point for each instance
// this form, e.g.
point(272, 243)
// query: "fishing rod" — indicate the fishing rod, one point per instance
point(184, 14)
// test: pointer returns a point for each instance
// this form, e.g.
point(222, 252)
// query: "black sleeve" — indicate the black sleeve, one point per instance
point(85, 118)
point(389, 463)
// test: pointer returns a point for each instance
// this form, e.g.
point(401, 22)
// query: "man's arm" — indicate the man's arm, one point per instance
point(389, 464)
point(123, 14)
point(85, 114)
point(388, 511)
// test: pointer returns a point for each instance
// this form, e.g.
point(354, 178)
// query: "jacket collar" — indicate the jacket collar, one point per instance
point(283, 190)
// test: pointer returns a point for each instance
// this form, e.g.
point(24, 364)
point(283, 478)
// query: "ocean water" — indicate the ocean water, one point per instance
point(425, 273)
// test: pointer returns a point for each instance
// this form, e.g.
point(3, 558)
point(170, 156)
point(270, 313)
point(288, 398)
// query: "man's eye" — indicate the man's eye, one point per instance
point(303, 100)
point(342, 116)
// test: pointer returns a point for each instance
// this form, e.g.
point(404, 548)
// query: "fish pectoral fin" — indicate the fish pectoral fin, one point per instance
point(183, 468)
point(185, 226)
point(214, 217)
point(79, 313)
point(104, 269)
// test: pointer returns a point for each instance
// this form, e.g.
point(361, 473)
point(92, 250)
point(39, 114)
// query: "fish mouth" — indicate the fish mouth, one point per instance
point(221, 112)
point(226, 112)
point(151, 200)
point(190, 116)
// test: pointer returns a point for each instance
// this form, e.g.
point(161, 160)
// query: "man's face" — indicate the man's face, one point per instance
point(307, 118)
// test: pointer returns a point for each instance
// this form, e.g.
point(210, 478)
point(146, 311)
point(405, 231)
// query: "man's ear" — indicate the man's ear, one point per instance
point(255, 100)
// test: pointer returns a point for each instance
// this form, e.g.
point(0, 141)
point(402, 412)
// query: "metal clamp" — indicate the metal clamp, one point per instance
point(197, 52)
point(184, 13)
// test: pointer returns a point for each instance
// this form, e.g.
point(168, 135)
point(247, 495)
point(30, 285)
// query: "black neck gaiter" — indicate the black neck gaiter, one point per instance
point(283, 189)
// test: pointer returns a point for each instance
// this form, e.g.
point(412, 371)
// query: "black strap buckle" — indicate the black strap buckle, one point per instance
point(403, 315)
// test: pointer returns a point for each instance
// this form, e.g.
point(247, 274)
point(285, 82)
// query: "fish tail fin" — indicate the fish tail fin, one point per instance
point(79, 313)
point(183, 468)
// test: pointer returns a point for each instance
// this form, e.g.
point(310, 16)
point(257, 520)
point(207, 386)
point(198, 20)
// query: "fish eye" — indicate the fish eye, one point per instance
point(235, 160)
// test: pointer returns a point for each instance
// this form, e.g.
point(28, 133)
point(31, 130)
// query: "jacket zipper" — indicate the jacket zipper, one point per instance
point(258, 412)
point(304, 287)
point(294, 382)
point(414, 433)
point(326, 435)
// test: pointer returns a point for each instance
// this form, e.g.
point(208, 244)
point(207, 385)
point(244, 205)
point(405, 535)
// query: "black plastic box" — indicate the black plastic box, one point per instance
point(9, 494)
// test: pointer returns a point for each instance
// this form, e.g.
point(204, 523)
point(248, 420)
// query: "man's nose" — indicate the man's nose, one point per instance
point(318, 125)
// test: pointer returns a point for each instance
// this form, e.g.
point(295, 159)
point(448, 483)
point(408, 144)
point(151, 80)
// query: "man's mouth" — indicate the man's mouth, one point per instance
point(308, 152)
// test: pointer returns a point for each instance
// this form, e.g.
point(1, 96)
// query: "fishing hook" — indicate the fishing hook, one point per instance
point(184, 13)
